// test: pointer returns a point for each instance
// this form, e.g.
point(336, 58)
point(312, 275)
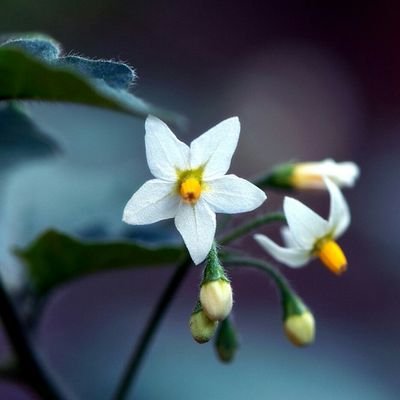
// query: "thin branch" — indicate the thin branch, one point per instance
point(30, 365)
point(248, 227)
point(145, 339)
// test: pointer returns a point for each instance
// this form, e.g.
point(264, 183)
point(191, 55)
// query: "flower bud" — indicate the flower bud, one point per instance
point(299, 323)
point(216, 299)
point(201, 327)
point(300, 329)
point(310, 175)
point(226, 342)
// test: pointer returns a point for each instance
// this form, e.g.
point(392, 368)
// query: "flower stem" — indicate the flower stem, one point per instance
point(255, 223)
point(139, 351)
point(280, 281)
point(30, 368)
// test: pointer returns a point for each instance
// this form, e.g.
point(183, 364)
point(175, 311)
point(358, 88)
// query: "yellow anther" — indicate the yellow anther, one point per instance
point(332, 256)
point(190, 190)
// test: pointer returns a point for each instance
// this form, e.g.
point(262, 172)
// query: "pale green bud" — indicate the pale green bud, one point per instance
point(216, 299)
point(300, 328)
point(201, 327)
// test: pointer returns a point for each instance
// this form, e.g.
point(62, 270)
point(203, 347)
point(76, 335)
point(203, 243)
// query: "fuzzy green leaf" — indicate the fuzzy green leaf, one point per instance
point(25, 77)
point(55, 258)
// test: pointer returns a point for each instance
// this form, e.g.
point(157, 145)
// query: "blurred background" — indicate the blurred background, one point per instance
point(309, 80)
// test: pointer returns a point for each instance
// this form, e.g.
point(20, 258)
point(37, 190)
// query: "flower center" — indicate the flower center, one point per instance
point(190, 190)
point(190, 184)
point(330, 253)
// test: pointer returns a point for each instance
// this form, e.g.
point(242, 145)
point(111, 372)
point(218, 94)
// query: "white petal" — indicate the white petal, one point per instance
point(231, 195)
point(288, 238)
point(293, 257)
point(306, 226)
point(339, 216)
point(164, 152)
point(349, 173)
point(154, 201)
point(343, 173)
point(196, 224)
point(215, 148)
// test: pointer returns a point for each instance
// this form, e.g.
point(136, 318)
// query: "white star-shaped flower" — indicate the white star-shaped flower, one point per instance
point(191, 185)
point(309, 235)
point(309, 175)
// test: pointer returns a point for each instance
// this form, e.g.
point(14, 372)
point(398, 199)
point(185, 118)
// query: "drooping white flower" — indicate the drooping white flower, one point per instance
point(309, 175)
point(191, 185)
point(308, 235)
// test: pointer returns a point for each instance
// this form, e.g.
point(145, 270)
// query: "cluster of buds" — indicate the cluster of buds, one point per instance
point(215, 302)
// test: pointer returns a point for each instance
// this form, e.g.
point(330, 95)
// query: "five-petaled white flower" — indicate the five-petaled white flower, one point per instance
point(309, 235)
point(309, 175)
point(191, 185)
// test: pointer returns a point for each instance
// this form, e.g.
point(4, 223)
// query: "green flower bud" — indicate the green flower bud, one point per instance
point(216, 291)
point(226, 342)
point(300, 329)
point(299, 323)
point(201, 327)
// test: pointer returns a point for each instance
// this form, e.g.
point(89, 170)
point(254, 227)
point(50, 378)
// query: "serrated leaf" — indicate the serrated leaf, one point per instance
point(55, 258)
point(20, 137)
point(24, 77)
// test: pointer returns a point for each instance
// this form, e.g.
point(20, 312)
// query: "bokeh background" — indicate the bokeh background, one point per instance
point(309, 80)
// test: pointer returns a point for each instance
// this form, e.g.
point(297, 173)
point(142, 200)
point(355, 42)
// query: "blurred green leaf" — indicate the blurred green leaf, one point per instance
point(25, 77)
point(55, 258)
point(20, 137)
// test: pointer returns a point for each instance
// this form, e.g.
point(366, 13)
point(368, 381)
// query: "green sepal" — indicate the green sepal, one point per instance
point(55, 258)
point(213, 270)
point(292, 304)
point(197, 308)
point(226, 341)
point(280, 177)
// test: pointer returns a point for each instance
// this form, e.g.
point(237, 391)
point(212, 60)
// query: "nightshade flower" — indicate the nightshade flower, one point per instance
point(191, 185)
point(309, 235)
point(309, 175)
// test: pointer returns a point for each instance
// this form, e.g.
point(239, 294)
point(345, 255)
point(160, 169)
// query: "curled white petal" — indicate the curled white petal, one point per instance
point(292, 257)
point(342, 173)
point(306, 226)
point(196, 224)
point(339, 216)
point(288, 238)
point(164, 151)
point(155, 200)
point(215, 148)
point(231, 194)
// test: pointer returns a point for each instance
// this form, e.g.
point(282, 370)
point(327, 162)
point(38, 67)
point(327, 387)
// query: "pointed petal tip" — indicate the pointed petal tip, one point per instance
point(292, 257)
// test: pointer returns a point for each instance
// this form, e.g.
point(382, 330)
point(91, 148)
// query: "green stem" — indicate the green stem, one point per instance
point(29, 364)
point(255, 223)
point(280, 281)
point(132, 367)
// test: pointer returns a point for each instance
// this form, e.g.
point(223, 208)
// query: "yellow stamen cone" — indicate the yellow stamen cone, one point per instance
point(190, 190)
point(332, 256)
